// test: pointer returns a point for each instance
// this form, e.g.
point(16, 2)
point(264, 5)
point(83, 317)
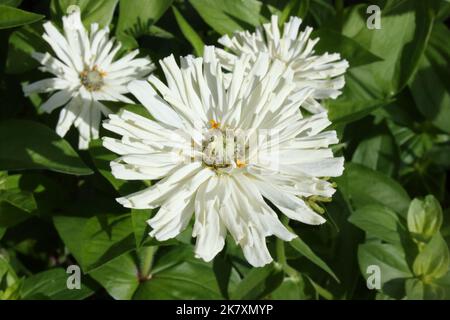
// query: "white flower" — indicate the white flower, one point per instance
point(202, 146)
point(323, 73)
point(85, 72)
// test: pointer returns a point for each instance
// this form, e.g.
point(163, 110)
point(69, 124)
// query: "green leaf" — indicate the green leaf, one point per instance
point(189, 278)
point(229, 16)
point(430, 88)
point(11, 17)
point(401, 41)
point(189, 33)
point(292, 289)
point(95, 241)
point(434, 259)
point(98, 11)
point(2, 232)
point(139, 219)
point(389, 258)
point(70, 229)
point(104, 238)
point(136, 17)
point(258, 283)
point(22, 43)
point(418, 290)
point(380, 222)
point(299, 245)
point(30, 145)
point(378, 153)
point(352, 51)
point(52, 284)
point(15, 206)
point(424, 218)
point(363, 186)
point(119, 276)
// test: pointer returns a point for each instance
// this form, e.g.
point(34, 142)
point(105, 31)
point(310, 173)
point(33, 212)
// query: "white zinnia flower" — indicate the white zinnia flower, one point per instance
point(85, 72)
point(323, 73)
point(221, 173)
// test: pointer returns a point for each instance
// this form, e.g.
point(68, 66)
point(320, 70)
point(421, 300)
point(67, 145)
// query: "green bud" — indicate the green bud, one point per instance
point(433, 261)
point(424, 218)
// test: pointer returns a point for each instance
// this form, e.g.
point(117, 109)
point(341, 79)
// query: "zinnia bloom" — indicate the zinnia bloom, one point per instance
point(224, 150)
point(323, 73)
point(85, 72)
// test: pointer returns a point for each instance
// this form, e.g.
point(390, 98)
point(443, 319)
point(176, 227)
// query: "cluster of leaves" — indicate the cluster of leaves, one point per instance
point(57, 205)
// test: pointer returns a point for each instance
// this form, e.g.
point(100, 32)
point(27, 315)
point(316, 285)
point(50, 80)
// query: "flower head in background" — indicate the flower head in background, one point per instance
point(85, 71)
point(323, 73)
point(223, 150)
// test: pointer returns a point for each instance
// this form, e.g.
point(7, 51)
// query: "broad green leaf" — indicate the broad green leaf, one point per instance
point(30, 145)
point(229, 16)
point(424, 218)
point(352, 51)
point(139, 219)
point(189, 33)
point(258, 283)
point(434, 259)
point(22, 43)
point(358, 99)
point(402, 23)
point(70, 230)
point(389, 258)
point(380, 222)
point(299, 245)
point(15, 206)
point(401, 41)
point(136, 17)
point(98, 11)
point(104, 238)
point(188, 279)
point(11, 17)
point(96, 240)
point(430, 87)
point(292, 289)
point(223, 269)
point(119, 276)
point(363, 186)
point(378, 153)
point(52, 284)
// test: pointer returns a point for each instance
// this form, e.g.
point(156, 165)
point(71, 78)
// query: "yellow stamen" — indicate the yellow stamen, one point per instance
point(240, 163)
point(214, 124)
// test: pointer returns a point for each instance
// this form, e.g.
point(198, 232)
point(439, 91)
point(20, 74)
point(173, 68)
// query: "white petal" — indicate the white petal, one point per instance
point(291, 206)
point(146, 95)
point(56, 100)
point(67, 116)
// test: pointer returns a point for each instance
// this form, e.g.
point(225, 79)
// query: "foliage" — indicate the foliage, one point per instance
point(391, 209)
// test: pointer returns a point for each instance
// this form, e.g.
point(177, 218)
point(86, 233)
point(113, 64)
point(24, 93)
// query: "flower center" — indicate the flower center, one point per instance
point(224, 147)
point(92, 79)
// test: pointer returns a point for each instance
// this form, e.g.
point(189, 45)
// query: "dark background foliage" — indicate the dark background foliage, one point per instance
point(57, 205)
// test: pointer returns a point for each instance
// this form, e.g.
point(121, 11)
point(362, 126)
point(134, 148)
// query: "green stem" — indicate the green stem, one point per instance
point(146, 260)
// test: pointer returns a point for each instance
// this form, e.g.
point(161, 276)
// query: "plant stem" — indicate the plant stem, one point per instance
point(146, 260)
